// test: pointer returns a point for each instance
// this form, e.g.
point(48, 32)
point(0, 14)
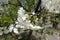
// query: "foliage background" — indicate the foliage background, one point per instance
point(8, 15)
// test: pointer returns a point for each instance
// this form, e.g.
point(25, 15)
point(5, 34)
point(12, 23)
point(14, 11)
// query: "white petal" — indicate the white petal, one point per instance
point(15, 30)
point(1, 32)
point(24, 18)
point(16, 22)
point(17, 26)
point(6, 31)
point(56, 11)
point(37, 28)
point(33, 13)
point(30, 26)
point(22, 27)
point(1, 28)
point(11, 27)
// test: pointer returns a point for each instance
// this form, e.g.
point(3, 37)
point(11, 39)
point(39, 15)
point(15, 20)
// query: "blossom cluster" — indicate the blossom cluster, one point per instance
point(23, 21)
point(52, 5)
point(21, 24)
point(3, 31)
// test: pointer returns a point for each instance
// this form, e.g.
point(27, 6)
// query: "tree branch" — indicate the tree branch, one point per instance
point(30, 33)
point(38, 5)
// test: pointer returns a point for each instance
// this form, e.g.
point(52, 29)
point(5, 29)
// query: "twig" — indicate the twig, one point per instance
point(29, 36)
point(38, 5)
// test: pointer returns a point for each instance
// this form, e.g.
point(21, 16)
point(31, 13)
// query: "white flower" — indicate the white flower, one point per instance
point(27, 23)
point(56, 11)
point(21, 8)
point(15, 30)
point(35, 27)
point(22, 27)
point(24, 17)
point(30, 26)
point(11, 27)
point(17, 26)
point(6, 31)
point(24, 22)
point(21, 11)
point(1, 32)
point(33, 13)
point(19, 20)
point(52, 5)
point(1, 28)
point(16, 22)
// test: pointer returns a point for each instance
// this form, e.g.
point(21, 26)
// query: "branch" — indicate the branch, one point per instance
point(30, 33)
point(38, 5)
point(38, 9)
